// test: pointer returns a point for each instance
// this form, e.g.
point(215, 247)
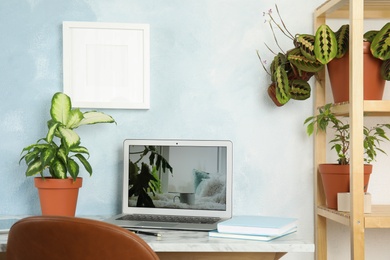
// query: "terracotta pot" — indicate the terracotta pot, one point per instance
point(272, 94)
point(58, 196)
point(338, 70)
point(335, 179)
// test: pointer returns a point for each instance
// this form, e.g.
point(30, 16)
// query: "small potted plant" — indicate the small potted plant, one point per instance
point(59, 153)
point(291, 70)
point(335, 177)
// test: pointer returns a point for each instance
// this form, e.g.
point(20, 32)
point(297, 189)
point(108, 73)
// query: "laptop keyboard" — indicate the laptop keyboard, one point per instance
point(174, 219)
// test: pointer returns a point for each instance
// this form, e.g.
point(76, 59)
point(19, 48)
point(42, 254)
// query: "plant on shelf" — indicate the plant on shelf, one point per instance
point(290, 70)
point(60, 151)
point(335, 177)
point(59, 157)
point(340, 143)
point(144, 178)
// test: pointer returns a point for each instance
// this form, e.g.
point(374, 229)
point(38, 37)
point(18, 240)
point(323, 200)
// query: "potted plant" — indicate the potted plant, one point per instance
point(335, 177)
point(291, 70)
point(60, 153)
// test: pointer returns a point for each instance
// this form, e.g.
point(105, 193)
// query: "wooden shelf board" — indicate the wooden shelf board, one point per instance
point(373, 9)
point(378, 218)
point(337, 216)
point(371, 108)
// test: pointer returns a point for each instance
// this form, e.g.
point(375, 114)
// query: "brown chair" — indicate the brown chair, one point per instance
point(70, 238)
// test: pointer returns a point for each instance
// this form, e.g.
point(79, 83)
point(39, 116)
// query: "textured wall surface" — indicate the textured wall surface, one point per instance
point(206, 83)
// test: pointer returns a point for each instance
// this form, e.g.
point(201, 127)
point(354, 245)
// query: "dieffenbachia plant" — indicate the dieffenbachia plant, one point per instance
point(61, 157)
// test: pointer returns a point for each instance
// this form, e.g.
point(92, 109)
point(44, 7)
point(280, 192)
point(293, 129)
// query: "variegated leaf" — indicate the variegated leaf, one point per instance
point(325, 45)
point(301, 62)
point(370, 35)
point(342, 36)
point(282, 85)
point(60, 107)
point(385, 70)
point(380, 46)
point(85, 162)
point(58, 169)
point(306, 45)
point(299, 89)
point(279, 60)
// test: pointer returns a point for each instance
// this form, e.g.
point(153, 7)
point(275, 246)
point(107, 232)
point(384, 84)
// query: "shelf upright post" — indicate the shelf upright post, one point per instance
point(356, 9)
point(319, 157)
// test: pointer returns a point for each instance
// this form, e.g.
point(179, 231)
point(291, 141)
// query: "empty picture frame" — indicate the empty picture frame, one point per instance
point(107, 65)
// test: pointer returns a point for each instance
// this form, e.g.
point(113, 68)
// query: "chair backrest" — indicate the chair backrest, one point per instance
point(60, 238)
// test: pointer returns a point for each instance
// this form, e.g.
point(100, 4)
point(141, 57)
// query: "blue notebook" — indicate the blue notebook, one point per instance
point(257, 225)
point(215, 233)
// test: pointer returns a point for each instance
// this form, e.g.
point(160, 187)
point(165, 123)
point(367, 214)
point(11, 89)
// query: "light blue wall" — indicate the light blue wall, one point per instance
point(206, 83)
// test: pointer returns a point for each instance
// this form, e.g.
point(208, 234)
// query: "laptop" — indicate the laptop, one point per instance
point(176, 184)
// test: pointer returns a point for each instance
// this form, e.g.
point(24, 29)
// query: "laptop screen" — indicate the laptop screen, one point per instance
point(188, 176)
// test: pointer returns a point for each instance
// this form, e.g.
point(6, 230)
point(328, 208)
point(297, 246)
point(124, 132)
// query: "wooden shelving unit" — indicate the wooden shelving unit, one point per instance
point(356, 109)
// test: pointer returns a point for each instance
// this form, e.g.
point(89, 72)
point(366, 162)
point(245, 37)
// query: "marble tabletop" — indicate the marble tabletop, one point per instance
point(191, 241)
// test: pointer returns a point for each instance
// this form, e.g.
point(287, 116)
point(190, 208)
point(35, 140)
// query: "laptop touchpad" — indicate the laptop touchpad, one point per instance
point(154, 224)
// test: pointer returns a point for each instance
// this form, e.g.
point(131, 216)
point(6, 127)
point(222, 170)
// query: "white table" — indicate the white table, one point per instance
point(198, 245)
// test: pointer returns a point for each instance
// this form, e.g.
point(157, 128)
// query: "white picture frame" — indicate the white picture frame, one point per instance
point(107, 65)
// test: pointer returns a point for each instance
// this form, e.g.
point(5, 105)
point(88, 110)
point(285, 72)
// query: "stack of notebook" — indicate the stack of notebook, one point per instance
point(263, 228)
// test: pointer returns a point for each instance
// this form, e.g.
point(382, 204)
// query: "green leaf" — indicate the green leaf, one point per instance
point(370, 35)
point(282, 85)
point(342, 36)
point(279, 61)
point(62, 155)
point(306, 45)
point(380, 45)
point(74, 119)
point(70, 137)
point(51, 132)
point(310, 129)
point(79, 149)
point(301, 62)
point(85, 162)
point(31, 156)
point(73, 168)
point(59, 169)
point(34, 167)
point(60, 108)
point(94, 117)
point(47, 156)
point(325, 45)
point(299, 89)
point(385, 70)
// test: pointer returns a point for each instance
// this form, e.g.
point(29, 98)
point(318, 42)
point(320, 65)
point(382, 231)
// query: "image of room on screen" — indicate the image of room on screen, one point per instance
point(177, 177)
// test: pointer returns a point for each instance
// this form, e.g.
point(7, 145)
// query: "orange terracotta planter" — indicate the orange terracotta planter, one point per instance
point(335, 179)
point(58, 196)
point(338, 70)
